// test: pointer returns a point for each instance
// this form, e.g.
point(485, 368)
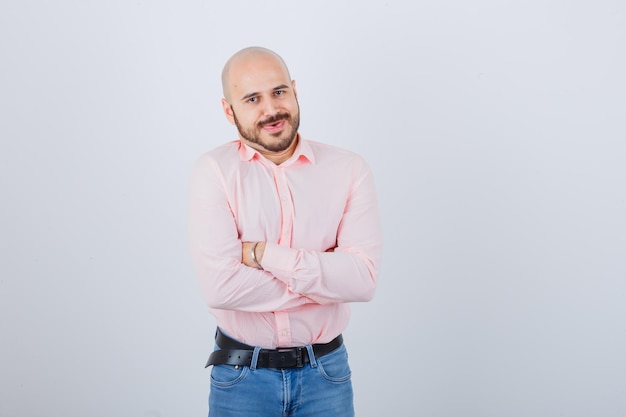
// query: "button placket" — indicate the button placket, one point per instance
point(286, 207)
point(283, 326)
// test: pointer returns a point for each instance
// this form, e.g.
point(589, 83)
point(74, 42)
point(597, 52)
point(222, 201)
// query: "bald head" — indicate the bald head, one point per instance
point(245, 61)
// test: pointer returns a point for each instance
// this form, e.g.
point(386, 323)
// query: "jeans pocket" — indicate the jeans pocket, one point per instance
point(334, 366)
point(225, 376)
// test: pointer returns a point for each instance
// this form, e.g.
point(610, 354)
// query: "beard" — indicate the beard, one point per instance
point(282, 140)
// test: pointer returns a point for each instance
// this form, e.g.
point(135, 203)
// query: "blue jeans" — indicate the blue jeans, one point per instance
point(321, 388)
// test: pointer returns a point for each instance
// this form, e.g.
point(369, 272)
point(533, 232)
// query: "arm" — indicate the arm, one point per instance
point(216, 251)
point(345, 273)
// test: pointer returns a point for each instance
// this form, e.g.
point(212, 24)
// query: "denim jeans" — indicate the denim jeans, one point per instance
point(321, 388)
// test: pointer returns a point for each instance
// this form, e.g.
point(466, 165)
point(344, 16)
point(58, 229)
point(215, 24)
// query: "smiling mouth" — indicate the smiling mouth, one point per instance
point(275, 126)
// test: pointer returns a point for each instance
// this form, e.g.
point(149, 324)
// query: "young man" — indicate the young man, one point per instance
point(284, 234)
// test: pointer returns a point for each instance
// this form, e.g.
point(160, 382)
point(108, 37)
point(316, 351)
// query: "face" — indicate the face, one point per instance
point(262, 103)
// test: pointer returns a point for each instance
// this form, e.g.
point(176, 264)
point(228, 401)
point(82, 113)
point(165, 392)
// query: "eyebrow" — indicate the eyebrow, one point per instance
point(249, 95)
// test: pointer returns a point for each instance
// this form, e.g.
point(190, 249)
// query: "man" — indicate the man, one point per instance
point(284, 234)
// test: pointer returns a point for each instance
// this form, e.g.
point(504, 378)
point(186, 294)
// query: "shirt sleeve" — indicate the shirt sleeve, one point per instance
point(215, 247)
point(350, 272)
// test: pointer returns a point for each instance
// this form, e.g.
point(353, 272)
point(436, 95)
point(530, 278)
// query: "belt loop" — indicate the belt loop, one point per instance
point(255, 358)
point(312, 359)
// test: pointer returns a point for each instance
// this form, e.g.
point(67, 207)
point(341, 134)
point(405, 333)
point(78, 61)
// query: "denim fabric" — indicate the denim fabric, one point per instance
point(321, 388)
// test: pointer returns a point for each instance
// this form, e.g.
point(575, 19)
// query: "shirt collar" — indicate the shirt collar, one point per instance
point(302, 153)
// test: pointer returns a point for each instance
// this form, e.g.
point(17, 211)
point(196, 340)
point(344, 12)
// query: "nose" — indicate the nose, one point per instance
point(270, 107)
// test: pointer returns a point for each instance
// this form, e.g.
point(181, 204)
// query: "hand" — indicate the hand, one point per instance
point(246, 253)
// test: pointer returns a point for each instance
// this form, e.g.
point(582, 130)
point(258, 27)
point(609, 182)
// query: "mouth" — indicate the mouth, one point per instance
point(274, 126)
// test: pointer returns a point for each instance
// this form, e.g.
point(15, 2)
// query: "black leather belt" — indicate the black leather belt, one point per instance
point(236, 353)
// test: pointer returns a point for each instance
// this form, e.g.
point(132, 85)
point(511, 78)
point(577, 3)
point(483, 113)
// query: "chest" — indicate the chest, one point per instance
point(294, 206)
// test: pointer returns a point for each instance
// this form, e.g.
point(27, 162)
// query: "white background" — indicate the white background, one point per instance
point(496, 132)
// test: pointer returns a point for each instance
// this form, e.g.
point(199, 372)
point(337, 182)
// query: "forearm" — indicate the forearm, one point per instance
point(358, 289)
point(228, 284)
point(345, 275)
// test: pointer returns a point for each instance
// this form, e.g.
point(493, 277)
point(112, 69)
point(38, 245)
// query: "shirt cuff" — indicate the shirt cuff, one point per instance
point(280, 261)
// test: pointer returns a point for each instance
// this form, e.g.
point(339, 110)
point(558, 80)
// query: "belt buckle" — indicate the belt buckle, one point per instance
point(294, 354)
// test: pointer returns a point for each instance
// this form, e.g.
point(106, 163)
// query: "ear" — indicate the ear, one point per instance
point(228, 111)
point(293, 85)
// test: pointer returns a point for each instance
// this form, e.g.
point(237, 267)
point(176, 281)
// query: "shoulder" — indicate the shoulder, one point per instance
point(223, 154)
point(219, 162)
point(326, 154)
point(227, 151)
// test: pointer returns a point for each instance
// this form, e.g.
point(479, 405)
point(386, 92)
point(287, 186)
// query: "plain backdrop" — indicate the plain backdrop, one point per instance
point(496, 131)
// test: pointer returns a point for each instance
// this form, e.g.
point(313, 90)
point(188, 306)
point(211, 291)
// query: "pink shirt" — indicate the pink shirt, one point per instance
point(322, 197)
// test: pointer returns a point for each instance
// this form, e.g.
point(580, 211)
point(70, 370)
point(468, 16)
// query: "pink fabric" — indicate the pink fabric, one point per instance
point(321, 198)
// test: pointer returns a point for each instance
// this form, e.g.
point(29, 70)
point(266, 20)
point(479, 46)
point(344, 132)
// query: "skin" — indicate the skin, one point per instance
point(260, 99)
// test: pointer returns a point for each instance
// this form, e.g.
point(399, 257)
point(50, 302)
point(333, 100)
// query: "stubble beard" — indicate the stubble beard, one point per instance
point(285, 137)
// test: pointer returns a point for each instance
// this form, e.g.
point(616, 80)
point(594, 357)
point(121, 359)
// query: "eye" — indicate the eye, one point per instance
point(253, 99)
point(279, 92)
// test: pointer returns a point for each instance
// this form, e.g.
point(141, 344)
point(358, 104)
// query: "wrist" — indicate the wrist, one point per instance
point(253, 254)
